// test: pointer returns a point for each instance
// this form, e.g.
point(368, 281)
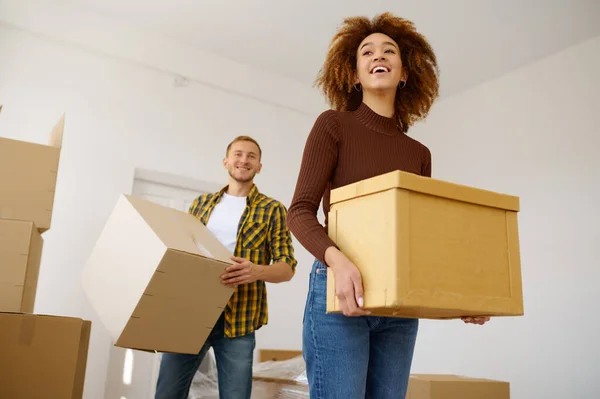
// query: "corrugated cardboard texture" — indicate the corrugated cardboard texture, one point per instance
point(422, 386)
point(20, 255)
point(28, 174)
point(149, 282)
point(438, 251)
point(42, 356)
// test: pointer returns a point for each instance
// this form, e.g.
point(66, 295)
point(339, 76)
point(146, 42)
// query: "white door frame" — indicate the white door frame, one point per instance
point(168, 179)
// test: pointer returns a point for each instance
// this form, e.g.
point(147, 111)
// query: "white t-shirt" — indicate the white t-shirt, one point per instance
point(225, 218)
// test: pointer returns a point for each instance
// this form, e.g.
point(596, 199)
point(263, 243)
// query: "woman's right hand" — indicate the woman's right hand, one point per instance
point(348, 283)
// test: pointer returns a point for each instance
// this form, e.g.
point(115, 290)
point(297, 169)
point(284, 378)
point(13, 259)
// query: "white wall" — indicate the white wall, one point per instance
point(533, 133)
point(123, 115)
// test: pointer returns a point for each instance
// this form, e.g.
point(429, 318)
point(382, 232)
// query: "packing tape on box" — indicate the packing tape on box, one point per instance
point(202, 248)
point(27, 331)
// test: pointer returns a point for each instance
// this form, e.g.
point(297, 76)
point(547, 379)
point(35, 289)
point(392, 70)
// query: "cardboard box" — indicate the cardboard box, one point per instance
point(428, 386)
point(262, 389)
point(28, 174)
point(20, 256)
point(42, 356)
point(279, 374)
point(428, 248)
point(277, 355)
point(153, 278)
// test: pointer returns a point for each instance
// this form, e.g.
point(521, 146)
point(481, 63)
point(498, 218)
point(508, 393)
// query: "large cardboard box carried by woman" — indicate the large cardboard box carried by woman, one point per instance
point(427, 248)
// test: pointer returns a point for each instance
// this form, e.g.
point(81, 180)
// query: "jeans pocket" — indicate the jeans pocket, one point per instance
point(319, 289)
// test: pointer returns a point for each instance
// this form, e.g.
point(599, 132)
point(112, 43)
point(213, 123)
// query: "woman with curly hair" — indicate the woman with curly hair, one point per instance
point(380, 77)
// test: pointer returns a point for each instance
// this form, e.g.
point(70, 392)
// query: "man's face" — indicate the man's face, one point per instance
point(243, 161)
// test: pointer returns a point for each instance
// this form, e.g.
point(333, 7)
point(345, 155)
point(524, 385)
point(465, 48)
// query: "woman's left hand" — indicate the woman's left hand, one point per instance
point(476, 320)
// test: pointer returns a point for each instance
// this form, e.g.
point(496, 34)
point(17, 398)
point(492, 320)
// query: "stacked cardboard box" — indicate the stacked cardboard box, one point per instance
point(42, 356)
point(428, 248)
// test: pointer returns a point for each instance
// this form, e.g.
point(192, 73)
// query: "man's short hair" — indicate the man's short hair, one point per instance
point(243, 138)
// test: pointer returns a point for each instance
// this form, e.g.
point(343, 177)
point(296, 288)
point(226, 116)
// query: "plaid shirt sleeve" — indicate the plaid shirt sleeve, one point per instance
point(197, 205)
point(280, 238)
point(194, 207)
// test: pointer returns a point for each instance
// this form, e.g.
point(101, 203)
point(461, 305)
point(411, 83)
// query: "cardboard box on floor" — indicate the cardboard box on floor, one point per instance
point(279, 375)
point(153, 278)
point(42, 356)
point(28, 174)
point(20, 255)
point(428, 248)
point(429, 386)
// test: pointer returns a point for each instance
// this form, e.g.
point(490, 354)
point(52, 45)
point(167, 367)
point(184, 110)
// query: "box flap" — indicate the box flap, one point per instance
point(181, 231)
point(29, 189)
point(56, 136)
point(425, 185)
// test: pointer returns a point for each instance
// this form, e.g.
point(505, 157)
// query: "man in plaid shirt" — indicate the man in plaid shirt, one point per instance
point(254, 228)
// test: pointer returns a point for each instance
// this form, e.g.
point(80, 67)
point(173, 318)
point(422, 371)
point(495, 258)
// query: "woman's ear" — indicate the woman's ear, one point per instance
point(404, 77)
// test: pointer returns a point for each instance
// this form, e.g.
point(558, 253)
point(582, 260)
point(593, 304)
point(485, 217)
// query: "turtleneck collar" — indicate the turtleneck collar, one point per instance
point(376, 122)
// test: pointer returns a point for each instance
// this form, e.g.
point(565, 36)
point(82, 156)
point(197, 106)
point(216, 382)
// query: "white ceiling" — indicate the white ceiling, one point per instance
point(476, 40)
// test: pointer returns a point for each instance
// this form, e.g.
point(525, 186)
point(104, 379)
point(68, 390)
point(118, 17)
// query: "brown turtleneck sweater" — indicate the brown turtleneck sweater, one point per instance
point(343, 148)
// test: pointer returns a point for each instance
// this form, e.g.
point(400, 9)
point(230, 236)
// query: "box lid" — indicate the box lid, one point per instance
point(426, 185)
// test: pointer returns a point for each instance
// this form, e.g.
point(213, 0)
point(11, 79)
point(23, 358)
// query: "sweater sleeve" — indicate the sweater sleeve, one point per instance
point(318, 164)
point(426, 166)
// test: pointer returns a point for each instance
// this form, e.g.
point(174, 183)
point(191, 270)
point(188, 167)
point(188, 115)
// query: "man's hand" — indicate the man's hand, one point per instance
point(476, 320)
point(241, 272)
point(348, 283)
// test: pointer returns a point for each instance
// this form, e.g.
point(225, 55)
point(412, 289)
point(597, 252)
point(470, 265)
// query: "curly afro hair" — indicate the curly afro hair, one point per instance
point(336, 78)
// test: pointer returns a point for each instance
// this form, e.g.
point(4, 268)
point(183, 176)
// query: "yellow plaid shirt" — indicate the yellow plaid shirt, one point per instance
point(262, 238)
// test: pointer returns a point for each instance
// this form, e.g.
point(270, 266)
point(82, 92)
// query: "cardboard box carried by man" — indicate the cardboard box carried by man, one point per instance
point(153, 278)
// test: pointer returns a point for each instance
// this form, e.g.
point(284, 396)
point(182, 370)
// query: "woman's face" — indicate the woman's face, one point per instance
point(379, 66)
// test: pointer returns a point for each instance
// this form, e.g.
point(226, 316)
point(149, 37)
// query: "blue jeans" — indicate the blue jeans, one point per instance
point(354, 357)
point(234, 357)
